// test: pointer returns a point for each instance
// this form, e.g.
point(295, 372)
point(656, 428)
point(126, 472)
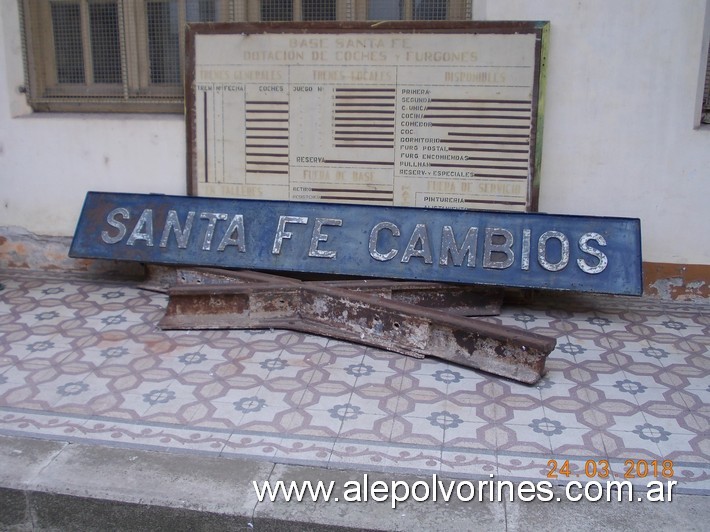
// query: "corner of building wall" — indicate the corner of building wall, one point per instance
point(21, 249)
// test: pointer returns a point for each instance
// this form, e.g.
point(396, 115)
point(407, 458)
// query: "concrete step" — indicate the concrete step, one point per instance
point(57, 485)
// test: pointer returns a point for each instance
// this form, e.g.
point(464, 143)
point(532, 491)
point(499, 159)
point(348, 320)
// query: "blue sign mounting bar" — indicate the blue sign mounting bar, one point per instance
point(531, 250)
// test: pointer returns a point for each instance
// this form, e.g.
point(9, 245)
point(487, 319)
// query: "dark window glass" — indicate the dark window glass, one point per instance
point(276, 10)
point(201, 10)
point(105, 42)
point(68, 51)
point(430, 9)
point(385, 9)
point(163, 42)
point(318, 9)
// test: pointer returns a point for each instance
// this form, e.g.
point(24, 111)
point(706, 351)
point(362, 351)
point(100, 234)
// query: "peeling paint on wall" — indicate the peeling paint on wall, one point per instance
point(21, 249)
point(677, 281)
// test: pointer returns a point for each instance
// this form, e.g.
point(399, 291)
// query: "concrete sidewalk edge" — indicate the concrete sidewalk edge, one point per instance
point(54, 485)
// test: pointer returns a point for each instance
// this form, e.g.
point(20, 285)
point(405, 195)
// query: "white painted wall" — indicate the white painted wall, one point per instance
point(49, 160)
point(620, 133)
point(620, 139)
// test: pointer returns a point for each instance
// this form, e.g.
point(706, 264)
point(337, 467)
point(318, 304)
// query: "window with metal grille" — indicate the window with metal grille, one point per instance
point(418, 10)
point(128, 55)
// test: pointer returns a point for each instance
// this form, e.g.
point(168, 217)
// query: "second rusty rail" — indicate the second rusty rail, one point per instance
point(267, 301)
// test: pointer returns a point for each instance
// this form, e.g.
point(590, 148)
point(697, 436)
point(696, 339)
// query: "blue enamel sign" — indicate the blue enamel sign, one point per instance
point(579, 253)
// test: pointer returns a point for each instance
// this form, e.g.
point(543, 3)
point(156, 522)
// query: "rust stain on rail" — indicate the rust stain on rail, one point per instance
point(256, 301)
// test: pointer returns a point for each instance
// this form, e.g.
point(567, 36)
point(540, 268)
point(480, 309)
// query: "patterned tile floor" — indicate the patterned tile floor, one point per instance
point(83, 360)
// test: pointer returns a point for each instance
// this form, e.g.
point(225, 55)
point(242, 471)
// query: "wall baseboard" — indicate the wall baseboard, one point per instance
point(676, 281)
point(20, 249)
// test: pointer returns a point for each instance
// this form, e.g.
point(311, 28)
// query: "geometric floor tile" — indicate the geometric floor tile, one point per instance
point(627, 389)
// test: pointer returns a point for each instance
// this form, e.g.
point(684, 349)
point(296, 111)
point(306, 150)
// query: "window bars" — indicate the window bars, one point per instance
point(128, 55)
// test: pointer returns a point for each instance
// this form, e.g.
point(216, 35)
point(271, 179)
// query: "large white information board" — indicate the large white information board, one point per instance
point(445, 116)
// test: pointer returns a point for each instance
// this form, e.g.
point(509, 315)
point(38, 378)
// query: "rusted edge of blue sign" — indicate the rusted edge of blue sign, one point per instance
point(529, 250)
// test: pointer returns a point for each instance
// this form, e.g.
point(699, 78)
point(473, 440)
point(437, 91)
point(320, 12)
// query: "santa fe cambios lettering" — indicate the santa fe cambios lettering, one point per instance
point(444, 245)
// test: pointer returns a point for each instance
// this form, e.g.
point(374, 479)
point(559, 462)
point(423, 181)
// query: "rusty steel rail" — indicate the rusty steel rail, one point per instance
point(453, 298)
point(359, 317)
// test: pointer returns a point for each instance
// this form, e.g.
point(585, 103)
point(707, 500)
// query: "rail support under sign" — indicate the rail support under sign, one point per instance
point(455, 299)
point(258, 301)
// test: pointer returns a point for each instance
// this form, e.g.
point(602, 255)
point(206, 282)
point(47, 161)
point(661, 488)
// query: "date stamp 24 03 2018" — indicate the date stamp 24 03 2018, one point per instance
point(602, 469)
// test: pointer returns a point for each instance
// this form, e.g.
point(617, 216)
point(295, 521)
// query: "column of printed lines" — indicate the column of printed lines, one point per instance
point(363, 135)
point(490, 139)
point(267, 142)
